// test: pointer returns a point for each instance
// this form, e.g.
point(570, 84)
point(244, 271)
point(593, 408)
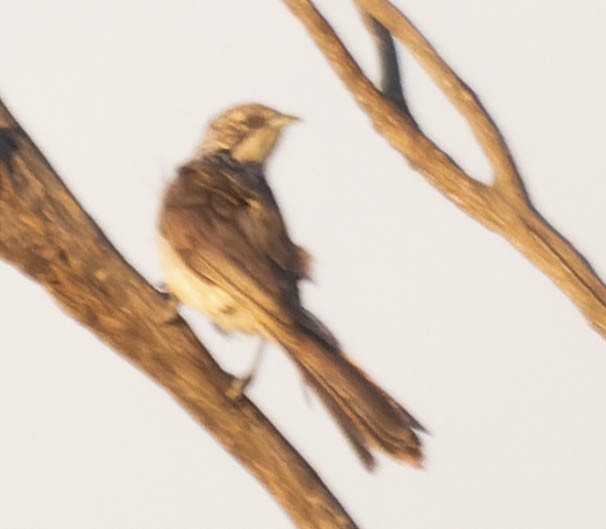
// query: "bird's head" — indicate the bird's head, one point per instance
point(249, 132)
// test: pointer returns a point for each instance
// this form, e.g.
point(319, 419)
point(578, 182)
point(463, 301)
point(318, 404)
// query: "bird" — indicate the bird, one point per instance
point(225, 251)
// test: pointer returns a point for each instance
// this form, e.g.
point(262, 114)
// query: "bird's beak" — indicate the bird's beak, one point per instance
point(284, 119)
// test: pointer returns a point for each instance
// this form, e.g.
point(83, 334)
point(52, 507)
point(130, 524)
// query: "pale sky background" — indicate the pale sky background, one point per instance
point(484, 349)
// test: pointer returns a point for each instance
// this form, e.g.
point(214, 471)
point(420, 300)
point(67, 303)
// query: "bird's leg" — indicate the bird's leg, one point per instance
point(239, 384)
point(171, 314)
point(305, 391)
point(219, 329)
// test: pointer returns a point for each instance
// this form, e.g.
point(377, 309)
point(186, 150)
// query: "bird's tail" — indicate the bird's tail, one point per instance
point(369, 417)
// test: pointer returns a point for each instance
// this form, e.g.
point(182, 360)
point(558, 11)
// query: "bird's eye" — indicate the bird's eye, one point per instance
point(254, 122)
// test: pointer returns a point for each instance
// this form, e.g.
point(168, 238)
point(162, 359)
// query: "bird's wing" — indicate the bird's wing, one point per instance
point(225, 225)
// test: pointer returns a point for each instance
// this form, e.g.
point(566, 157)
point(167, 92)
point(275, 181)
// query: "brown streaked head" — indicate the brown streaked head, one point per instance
point(249, 132)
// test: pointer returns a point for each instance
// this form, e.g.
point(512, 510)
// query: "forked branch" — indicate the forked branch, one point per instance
point(504, 206)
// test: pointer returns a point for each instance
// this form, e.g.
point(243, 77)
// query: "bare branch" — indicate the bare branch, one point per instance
point(459, 94)
point(45, 232)
point(396, 126)
point(503, 207)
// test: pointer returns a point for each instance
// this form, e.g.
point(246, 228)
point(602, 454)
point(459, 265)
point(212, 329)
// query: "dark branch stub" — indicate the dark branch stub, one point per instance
point(8, 146)
point(391, 77)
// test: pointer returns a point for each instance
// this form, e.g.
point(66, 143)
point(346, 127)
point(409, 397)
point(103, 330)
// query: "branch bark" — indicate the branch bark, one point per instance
point(45, 233)
point(504, 206)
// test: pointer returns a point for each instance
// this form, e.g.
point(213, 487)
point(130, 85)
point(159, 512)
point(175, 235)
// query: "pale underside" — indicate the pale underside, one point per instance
point(199, 295)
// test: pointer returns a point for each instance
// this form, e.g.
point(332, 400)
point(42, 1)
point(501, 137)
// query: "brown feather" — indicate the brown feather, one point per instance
point(222, 220)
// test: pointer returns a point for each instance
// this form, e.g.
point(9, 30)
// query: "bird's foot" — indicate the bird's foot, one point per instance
point(170, 314)
point(238, 385)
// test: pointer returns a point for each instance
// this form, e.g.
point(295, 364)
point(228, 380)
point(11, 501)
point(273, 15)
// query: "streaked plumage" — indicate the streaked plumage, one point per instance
point(226, 251)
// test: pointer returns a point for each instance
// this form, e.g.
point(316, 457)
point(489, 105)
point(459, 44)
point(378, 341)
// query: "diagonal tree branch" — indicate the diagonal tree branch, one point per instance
point(396, 126)
point(45, 233)
point(503, 207)
point(460, 95)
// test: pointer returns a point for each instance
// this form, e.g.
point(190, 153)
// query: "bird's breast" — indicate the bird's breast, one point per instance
point(191, 290)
